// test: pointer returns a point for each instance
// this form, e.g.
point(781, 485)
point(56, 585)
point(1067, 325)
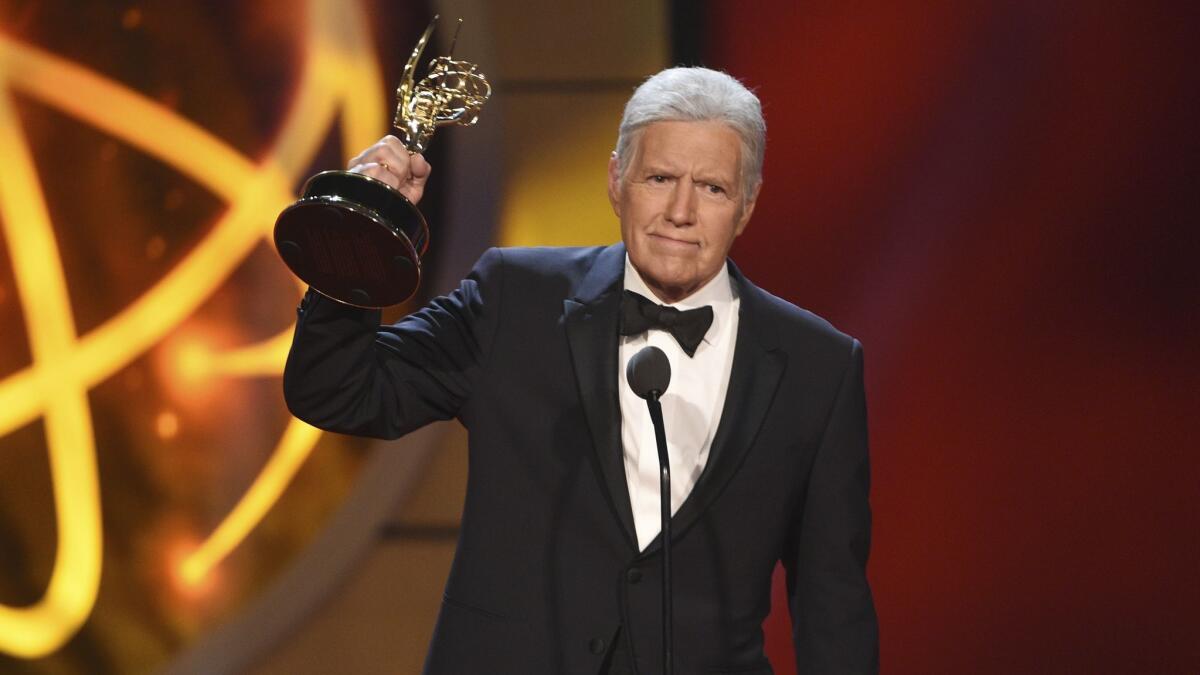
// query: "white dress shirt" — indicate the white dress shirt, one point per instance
point(691, 406)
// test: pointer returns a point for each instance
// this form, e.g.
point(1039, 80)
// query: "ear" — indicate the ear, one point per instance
point(614, 184)
point(747, 210)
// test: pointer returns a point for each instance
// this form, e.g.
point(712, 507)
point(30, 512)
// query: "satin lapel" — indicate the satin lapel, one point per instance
point(758, 366)
point(591, 326)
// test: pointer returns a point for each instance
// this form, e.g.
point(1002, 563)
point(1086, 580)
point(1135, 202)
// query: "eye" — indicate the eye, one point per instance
point(657, 179)
point(714, 189)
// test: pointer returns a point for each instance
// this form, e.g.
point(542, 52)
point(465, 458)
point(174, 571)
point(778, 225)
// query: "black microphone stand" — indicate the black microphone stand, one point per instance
point(664, 488)
point(649, 375)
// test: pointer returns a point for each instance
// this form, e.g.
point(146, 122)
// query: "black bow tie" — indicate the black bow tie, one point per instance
point(639, 314)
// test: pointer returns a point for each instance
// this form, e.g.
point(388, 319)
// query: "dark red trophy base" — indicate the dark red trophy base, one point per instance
point(354, 239)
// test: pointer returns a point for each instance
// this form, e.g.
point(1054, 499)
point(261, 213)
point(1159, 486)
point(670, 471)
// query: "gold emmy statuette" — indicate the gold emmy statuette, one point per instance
point(356, 239)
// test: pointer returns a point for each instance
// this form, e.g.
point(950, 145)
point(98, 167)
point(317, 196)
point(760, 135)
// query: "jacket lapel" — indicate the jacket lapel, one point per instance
point(758, 366)
point(591, 319)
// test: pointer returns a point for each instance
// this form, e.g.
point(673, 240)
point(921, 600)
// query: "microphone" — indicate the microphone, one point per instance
point(649, 373)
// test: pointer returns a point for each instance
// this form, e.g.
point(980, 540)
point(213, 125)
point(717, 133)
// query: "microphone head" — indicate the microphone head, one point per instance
point(649, 372)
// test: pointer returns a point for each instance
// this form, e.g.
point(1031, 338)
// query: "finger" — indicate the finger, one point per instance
point(369, 154)
point(396, 162)
point(394, 144)
point(378, 172)
point(362, 158)
point(419, 168)
point(413, 191)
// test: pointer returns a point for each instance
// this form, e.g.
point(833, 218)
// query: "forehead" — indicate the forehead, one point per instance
point(694, 146)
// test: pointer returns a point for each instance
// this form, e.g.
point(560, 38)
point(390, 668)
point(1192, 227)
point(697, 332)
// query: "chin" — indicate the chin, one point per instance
point(664, 280)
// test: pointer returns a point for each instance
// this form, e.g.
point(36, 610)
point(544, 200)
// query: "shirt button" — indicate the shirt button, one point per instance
point(596, 646)
point(633, 576)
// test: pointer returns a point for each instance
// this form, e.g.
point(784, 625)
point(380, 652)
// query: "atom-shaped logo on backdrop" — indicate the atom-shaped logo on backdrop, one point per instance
point(340, 76)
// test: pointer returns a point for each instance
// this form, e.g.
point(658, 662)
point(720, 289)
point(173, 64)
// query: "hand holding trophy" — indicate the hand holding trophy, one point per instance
point(357, 239)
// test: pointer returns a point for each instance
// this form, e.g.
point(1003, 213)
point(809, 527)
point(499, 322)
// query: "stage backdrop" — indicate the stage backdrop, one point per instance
point(999, 200)
point(145, 150)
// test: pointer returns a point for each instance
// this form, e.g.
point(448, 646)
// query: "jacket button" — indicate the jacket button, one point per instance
point(633, 576)
point(596, 646)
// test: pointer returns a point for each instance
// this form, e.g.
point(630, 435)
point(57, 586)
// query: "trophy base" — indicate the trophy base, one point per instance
point(354, 239)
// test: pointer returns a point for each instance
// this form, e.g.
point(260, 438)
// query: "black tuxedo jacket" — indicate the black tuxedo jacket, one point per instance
point(547, 576)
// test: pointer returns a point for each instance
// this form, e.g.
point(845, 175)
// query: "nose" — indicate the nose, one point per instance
point(681, 210)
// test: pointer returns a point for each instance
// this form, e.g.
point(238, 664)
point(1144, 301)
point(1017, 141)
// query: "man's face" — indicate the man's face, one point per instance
point(680, 204)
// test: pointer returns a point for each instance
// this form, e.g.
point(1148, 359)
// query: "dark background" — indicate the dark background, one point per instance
point(1000, 201)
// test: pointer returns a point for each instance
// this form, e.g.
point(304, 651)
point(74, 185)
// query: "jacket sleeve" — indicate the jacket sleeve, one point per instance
point(834, 625)
point(348, 374)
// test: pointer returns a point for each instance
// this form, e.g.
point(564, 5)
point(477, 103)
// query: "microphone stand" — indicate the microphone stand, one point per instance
point(649, 375)
point(664, 487)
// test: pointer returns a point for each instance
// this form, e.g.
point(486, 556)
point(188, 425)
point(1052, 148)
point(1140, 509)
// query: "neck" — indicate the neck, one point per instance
point(672, 294)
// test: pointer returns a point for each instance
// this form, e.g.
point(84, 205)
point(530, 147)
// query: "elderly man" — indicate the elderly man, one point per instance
point(557, 569)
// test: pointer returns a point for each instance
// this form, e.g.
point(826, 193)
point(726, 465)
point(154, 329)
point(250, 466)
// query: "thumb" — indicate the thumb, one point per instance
point(419, 169)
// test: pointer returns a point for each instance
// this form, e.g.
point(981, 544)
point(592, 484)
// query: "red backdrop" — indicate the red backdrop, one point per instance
point(996, 199)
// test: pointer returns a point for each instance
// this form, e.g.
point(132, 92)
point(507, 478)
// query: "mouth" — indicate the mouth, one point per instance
point(674, 243)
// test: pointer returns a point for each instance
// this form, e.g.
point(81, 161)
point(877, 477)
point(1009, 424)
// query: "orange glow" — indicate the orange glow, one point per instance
point(189, 587)
point(193, 362)
point(185, 365)
point(132, 18)
point(166, 425)
point(341, 79)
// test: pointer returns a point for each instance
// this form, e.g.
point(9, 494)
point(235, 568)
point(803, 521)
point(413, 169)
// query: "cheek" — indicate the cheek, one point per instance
point(636, 213)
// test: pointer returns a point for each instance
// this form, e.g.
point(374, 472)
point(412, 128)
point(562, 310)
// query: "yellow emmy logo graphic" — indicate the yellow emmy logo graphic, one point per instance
point(341, 76)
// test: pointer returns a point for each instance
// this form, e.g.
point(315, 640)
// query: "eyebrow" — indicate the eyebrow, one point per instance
point(728, 182)
point(656, 169)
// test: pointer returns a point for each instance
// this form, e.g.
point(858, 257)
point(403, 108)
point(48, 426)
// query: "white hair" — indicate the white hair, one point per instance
point(697, 95)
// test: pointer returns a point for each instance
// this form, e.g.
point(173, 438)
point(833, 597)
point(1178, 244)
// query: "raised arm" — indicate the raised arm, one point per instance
point(346, 373)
